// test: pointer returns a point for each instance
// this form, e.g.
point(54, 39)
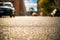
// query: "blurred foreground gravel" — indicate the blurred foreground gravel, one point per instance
point(30, 28)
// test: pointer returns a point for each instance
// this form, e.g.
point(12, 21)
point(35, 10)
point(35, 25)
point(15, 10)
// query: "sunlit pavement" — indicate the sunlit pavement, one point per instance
point(30, 28)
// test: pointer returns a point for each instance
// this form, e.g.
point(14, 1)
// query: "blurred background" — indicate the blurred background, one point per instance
point(34, 7)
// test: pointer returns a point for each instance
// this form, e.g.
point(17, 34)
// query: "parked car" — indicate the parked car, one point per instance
point(56, 12)
point(6, 8)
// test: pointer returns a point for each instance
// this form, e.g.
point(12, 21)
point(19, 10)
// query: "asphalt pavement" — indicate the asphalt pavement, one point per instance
point(30, 28)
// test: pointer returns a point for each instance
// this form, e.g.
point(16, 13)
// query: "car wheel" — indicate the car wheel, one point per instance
point(10, 15)
point(0, 16)
point(13, 15)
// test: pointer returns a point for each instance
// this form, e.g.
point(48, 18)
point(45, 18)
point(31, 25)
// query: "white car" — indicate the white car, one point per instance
point(56, 12)
point(6, 8)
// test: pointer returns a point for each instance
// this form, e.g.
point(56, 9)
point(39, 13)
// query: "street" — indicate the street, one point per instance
point(30, 28)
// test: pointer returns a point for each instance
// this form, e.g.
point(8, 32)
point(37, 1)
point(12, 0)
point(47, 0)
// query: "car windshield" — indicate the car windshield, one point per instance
point(7, 5)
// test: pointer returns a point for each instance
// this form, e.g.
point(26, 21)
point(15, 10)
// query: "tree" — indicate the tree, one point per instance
point(31, 10)
point(47, 5)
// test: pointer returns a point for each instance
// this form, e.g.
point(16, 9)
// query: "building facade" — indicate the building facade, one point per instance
point(19, 7)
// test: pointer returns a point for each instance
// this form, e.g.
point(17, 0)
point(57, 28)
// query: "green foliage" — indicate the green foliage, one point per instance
point(31, 9)
point(43, 3)
point(47, 5)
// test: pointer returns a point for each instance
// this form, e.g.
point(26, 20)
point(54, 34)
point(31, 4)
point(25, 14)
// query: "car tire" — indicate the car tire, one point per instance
point(13, 15)
point(10, 15)
point(0, 16)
